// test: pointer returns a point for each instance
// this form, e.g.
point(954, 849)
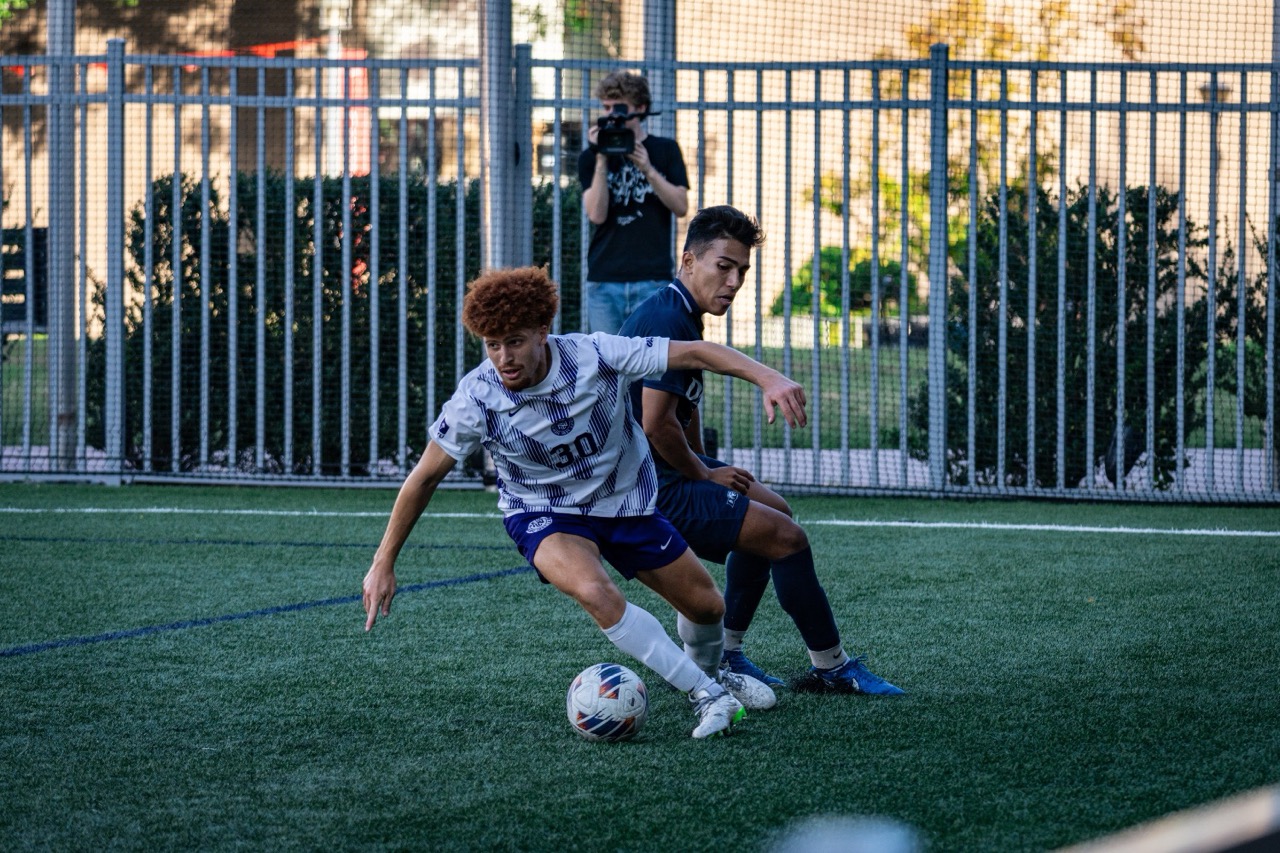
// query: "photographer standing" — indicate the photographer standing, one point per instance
point(632, 183)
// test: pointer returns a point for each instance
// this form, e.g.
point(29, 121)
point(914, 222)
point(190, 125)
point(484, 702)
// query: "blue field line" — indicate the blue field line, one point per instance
point(69, 642)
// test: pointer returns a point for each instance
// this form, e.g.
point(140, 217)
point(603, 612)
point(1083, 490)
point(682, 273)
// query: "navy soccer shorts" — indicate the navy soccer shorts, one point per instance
point(630, 544)
point(707, 514)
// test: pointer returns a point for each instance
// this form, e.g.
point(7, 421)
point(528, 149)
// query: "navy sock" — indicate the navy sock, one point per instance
point(804, 600)
point(746, 577)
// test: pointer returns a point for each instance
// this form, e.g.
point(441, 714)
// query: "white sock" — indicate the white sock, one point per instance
point(733, 640)
point(829, 659)
point(641, 636)
point(704, 644)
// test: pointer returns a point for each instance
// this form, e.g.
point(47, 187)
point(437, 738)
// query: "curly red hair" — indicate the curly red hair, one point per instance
point(502, 301)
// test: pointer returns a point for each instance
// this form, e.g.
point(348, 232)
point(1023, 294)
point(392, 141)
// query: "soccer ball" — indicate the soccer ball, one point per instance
point(607, 701)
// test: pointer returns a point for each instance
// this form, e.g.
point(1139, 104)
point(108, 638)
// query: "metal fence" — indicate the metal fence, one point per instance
point(995, 279)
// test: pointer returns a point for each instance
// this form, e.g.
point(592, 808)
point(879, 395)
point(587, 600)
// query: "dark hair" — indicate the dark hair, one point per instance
point(713, 223)
point(625, 86)
point(501, 301)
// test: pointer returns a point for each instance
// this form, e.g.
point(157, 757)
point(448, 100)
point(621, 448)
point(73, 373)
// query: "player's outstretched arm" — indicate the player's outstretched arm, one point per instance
point(415, 494)
point(778, 390)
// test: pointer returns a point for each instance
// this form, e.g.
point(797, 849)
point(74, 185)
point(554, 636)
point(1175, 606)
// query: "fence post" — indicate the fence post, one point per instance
point(526, 151)
point(61, 282)
point(938, 80)
point(113, 326)
point(659, 56)
point(497, 135)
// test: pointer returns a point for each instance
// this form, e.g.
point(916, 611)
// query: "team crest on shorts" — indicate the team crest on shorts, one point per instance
point(731, 497)
point(538, 524)
point(563, 426)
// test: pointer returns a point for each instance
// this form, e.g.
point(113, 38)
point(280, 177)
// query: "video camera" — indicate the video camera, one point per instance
point(615, 138)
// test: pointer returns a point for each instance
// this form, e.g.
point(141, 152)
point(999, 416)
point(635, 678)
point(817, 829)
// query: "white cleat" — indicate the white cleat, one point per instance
point(717, 711)
point(753, 693)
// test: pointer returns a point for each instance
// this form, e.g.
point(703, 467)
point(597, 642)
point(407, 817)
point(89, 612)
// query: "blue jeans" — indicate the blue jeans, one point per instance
point(610, 303)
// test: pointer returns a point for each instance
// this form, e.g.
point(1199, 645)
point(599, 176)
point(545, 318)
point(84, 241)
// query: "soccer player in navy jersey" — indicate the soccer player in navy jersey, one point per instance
point(724, 514)
point(576, 482)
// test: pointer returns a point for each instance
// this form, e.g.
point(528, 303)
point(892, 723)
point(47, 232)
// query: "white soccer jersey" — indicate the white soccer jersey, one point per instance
point(569, 443)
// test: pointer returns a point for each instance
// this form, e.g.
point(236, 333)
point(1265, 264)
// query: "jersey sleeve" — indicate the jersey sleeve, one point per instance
point(635, 357)
point(460, 427)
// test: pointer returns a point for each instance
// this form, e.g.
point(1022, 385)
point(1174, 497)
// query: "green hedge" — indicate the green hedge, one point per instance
point(197, 260)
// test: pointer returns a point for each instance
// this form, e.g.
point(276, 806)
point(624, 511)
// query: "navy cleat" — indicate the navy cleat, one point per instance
point(737, 662)
point(852, 676)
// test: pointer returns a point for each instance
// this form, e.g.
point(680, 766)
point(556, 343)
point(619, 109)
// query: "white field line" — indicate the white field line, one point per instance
point(827, 522)
point(1047, 528)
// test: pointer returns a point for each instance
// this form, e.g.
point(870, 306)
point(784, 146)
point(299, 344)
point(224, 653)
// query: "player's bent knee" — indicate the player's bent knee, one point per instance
point(791, 538)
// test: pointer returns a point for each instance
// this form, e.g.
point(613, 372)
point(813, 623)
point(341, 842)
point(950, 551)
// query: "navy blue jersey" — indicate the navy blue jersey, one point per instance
point(670, 313)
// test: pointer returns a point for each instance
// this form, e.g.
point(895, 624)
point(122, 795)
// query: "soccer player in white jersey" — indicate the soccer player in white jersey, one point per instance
point(576, 482)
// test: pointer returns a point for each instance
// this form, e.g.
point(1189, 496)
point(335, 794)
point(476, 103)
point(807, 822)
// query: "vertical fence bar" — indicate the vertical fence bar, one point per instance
point(82, 294)
point(177, 280)
point(873, 411)
point(233, 273)
point(939, 83)
point(584, 225)
point(290, 217)
point(1120, 442)
point(375, 269)
point(1061, 449)
point(460, 230)
point(29, 256)
point(846, 307)
point(786, 265)
point(904, 282)
point(726, 442)
point(113, 332)
point(1242, 282)
point(2, 330)
point(726, 445)
point(347, 240)
point(1152, 278)
point(1273, 216)
point(402, 282)
point(757, 419)
point(1180, 300)
point(1002, 312)
point(148, 271)
point(431, 288)
point(1211, 292)
point(557, 193)
point(815, 302)
point(260, 281)
point(317, 274)
point(1091, 299)
point(971, 390)
point(1033, 264)
point(206, 265)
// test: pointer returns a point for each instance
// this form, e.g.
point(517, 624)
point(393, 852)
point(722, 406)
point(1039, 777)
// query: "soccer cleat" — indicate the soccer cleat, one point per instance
point(736, 661)
point(753, 693)
point(852, 676)
point(717, 711)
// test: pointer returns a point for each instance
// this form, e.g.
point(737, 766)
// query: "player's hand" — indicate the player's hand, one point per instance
point(640, 156)
point(593, 135)
point(788, 397)
point(738, 479)
point(379, 589)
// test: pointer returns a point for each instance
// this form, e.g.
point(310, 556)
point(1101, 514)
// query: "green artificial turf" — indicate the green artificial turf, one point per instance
point(201, 680)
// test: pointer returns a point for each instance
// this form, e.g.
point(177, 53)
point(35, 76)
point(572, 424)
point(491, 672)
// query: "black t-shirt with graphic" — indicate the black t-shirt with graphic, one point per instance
point(634, 242)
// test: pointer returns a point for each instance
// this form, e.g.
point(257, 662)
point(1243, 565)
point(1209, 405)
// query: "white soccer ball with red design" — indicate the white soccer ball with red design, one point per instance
point(608, 702)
